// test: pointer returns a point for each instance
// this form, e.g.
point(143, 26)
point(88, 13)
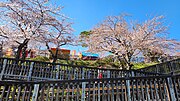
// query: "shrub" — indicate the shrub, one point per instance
point(41, 58)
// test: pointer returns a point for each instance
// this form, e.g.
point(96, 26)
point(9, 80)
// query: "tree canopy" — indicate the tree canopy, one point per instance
point(126, 38)
point(26, 21)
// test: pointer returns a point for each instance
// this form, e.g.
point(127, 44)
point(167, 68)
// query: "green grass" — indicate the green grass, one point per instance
point(95, 63)
point(143, 65)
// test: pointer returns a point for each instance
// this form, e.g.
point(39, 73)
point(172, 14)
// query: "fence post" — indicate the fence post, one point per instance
point(147, 91)
point(157, 68)
point(128, 90)
point(171, 89)
point(3, 68)
point(99, 94)
point(30, 71)
point(172, 67)
point(58, 70)
point(35, 92)
point(108, 74)
point(132, 73)
point(83, 85)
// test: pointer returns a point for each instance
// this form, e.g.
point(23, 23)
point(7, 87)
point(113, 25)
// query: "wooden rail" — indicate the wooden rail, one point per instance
point(165, 68)
point(13, 69)
point(152, 88)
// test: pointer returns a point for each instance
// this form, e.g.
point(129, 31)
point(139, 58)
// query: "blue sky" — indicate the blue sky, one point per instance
point(87, 13)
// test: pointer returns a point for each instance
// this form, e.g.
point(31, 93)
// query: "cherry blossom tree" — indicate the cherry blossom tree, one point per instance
point(26, 20)
point(127, 38)
point(4, 41)
point(57, 38)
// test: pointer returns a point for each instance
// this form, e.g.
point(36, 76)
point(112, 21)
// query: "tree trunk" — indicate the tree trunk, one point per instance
point(24, 52)
point(22, 49)
point(1, 50)
point(126, 62)
point(123, 63)
point(54, 56)
point(54, 60)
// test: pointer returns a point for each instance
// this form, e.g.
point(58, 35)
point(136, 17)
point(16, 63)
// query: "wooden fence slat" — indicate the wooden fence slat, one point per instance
point(142, 89)
point(151, 90)
point(19, 92)
point(156, 90)
point(99, 98)
point(178, 83)
point(128, 90)
point(3, 68)
point(171, 90)
point(3, 92)
point(117, 91)
point(159, 82)
point(42, 92)
point(137, 90)
point(67, 93)
point(166, 94)
point(52, 92)
point(103, 91)
point(94, 92)
point(108, 90)
point(13, 92)
point(8, 93)
point(30, 71)
point(122, 91)
point(133, 91)
point(36, 92)
point(175, 88)
point(29, 93)
point(147, 91)
point(73, 91)
point(47, 92)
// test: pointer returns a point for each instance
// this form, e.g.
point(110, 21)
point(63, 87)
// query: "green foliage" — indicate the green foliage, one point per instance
point(63, 61)
point(85, 33)
point(74, 62)
point(83, 36)
point(94, 63)
point(8, 56)
point(107, 62)
point(142, 65)
point(41, 58)
point(83, 63)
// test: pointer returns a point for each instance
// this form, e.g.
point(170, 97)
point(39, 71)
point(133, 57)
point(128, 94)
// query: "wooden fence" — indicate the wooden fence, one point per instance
point(13, 69)
point(152, 88)
point(165, 68)
point(43, 81)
